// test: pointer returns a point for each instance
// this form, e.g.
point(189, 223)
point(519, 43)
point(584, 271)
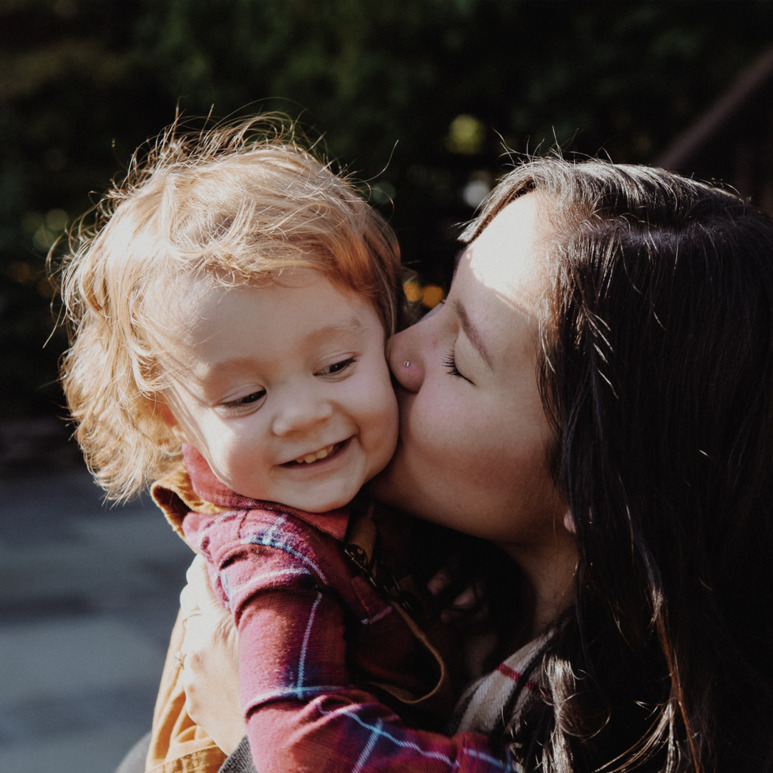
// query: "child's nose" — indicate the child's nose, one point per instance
point(405, 361)
point(300, 413)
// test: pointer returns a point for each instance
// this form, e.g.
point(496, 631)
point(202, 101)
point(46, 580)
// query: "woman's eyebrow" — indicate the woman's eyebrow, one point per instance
point(473, 333)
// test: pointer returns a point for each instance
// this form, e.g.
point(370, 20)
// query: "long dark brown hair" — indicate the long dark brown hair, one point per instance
point(657, 373)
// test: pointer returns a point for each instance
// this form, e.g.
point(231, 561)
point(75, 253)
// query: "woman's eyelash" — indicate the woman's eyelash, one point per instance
point(449, 362)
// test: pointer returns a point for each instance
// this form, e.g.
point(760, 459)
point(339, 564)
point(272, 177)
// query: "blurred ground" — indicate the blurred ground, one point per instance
point(88, 596)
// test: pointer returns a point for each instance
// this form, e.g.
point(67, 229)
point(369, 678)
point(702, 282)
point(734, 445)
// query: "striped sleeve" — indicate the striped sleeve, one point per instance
point(303, 712)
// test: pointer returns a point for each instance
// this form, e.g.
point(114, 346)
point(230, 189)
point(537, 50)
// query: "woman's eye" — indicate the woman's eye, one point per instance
point(243, 404)
point(449, 363)
point(336, 367)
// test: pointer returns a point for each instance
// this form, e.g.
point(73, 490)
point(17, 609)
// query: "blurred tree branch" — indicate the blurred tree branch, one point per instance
point(417, 98)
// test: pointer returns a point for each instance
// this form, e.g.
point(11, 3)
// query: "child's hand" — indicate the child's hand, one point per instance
point(210, 661)
point(465, 608)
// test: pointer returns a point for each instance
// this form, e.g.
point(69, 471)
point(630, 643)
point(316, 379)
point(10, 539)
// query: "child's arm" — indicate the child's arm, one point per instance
point(302, 711)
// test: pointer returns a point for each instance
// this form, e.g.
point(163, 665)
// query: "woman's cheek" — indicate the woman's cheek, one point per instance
point(443, 435)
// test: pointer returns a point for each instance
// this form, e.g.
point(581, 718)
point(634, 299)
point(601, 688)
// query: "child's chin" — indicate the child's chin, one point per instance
point(323, 504)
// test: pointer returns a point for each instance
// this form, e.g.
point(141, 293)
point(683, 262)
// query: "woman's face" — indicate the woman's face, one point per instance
point(472, 453)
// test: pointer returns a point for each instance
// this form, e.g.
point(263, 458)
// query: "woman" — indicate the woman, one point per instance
point(596, 397)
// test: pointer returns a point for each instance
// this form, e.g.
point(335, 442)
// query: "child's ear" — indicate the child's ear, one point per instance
point(164, 412)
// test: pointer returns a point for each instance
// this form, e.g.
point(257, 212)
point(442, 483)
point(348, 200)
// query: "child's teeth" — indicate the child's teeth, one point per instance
point(321, 454)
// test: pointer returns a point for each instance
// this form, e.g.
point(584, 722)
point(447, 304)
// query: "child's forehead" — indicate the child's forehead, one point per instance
point(212, 289)
point(205, 298)
point(237, 327)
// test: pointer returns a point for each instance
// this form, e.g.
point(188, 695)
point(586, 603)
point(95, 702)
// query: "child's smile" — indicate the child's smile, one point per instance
point(323, 453)
point(284, 389)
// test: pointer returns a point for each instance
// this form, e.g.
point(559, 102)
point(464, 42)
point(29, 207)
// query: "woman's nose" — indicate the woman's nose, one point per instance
point(300, 413)
point(405, 359)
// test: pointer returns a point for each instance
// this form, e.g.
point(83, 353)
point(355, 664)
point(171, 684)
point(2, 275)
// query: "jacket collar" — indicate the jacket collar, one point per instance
point(192, 486)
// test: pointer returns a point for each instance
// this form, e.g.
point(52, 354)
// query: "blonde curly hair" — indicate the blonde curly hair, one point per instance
point(235, 204)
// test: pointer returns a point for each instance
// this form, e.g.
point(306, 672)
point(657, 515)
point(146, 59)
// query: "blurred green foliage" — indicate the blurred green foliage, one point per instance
point(419, 98)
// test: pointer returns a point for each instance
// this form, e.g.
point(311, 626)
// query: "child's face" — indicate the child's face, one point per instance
point(285, 390)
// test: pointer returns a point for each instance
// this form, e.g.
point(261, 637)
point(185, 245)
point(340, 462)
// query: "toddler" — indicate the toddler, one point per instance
point(228, 316)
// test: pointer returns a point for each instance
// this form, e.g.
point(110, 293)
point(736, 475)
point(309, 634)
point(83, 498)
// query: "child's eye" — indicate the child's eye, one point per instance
point(243, 404)
point(336, 368)
point(449, 362)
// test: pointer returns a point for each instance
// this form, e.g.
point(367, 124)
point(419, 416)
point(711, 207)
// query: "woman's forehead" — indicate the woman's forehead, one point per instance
point(503, 259)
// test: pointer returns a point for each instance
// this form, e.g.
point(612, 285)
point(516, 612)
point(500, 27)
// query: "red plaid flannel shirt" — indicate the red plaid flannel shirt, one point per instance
point(312, 634)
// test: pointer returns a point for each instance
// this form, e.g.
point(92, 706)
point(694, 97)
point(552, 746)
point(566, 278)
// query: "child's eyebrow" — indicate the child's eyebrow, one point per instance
point(352, 325)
